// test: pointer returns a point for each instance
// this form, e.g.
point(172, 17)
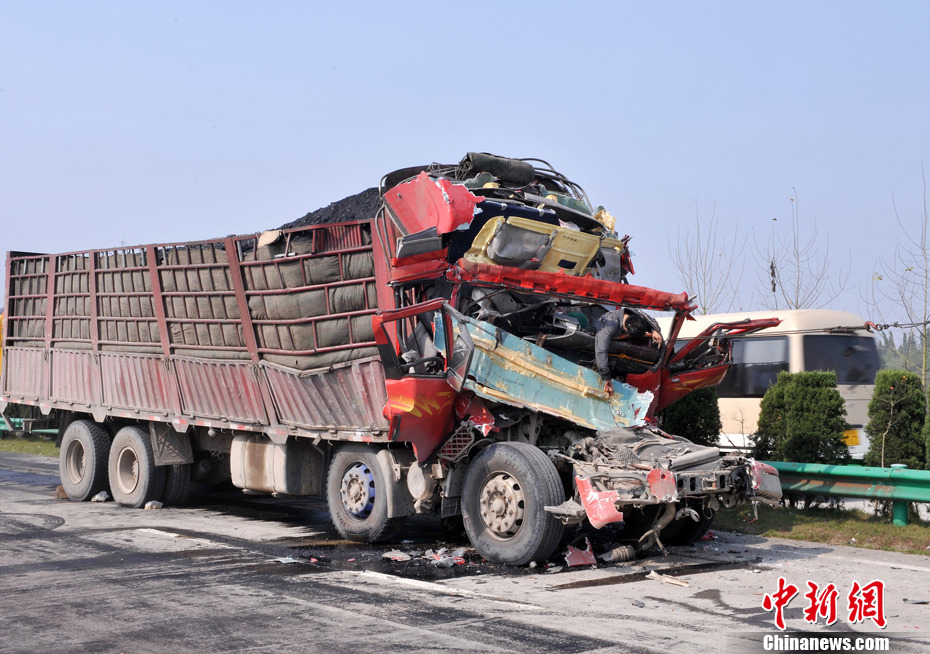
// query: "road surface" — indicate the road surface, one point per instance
point(236, 573)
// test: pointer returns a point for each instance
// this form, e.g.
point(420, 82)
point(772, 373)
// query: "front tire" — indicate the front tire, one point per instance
point(357, 497)
point(506, 489)
point(134, 477)
point(82, 460)
point(686, 530)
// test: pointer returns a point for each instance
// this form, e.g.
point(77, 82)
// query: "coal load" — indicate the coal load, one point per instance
point(355, 207)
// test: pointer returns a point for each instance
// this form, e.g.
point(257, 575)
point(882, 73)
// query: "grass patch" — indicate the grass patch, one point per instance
point(28, 444)
point(832, 526)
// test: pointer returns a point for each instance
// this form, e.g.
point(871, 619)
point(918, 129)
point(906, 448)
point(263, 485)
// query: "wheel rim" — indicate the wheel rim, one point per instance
point(127, 470)
point(358, 490)
point(75, 462)
point(502, 504)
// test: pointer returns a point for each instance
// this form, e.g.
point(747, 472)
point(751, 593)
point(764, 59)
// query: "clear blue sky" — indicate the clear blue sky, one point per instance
point(136, 122)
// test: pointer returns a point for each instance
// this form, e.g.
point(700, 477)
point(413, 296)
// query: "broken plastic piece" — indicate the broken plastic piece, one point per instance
point(154, 504)
point(576, 557)
point(396, 555)
point(600, 506)
point(102, 496)
point(287, 559)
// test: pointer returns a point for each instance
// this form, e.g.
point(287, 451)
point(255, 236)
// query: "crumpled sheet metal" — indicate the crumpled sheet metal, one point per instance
point(424, 202)
point(600, 506)
point(508, 369)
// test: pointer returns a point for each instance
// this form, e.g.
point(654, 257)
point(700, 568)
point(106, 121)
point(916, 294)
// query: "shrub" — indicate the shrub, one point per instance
point(897, 417)
point(696, 416)
point(802, 419)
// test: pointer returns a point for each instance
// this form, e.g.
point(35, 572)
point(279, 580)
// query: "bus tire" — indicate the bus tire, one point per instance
point(82, 460)
point(507, 487)
point(357, 496)
point(134, 478)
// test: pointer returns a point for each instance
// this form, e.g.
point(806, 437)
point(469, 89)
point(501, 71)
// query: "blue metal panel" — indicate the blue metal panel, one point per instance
point(508, 369)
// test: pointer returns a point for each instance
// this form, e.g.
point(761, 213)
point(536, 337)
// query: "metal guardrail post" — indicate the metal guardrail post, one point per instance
point(899, 507)
point(897, 483)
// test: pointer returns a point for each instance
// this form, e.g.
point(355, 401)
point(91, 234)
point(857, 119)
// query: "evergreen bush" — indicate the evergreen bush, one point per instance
point(802, 419)
point(897, 421)
point(696, 416)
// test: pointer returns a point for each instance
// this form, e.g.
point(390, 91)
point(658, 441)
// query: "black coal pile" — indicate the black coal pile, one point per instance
point(359, 206)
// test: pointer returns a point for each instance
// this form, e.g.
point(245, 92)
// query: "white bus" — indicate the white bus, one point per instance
point(808, 339)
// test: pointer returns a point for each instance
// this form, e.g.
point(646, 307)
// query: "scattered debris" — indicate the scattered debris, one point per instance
point(638, 604)
point(154, 504)
point(60, 493)
point(396, 555)
point(910, 601)
point(286, 559)
point(575, 557)
point(102, 496)
point(552, 569)
point(622, 554)
point(709, 536)
point(668, 580)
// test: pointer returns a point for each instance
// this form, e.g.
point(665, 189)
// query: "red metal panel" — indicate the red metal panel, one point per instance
point(137, 382)
point(220, 389)
point(76, 378)
point(27, 372)
point(350, 395)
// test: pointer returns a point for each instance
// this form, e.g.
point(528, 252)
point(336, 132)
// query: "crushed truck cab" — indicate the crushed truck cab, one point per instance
point(441, 351)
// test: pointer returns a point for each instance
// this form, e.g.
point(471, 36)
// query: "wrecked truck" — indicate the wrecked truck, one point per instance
point(432, 355)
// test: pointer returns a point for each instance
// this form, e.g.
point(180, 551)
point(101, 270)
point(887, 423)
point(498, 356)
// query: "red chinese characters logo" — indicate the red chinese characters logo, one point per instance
point(778, 600)
point(862, 603)
point(867, 603)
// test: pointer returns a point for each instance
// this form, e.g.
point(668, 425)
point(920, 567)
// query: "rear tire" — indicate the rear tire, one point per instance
point(82, 461)
point(177, 484)
point(506, 489)
point(356, 494)
point(134, 477)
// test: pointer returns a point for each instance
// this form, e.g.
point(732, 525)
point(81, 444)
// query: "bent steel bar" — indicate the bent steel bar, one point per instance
point(896, 484)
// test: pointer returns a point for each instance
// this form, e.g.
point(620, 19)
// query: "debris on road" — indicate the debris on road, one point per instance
point(621, 554)
point(396, 555)
point(102, 496)
point(154, 504)
point(668, 580)
point(575, 557)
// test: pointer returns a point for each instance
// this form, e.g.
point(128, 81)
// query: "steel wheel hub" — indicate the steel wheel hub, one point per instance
point(501, 505)
point(358, 490)
point(127, 470)
point(76, 462)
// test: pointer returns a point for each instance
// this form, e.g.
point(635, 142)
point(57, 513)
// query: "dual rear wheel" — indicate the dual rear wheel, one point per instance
point(89, 463)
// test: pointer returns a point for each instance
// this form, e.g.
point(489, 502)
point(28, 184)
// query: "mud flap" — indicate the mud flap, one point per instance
point(392, 464)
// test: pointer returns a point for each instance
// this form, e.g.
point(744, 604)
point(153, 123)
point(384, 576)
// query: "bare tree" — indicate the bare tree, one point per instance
point(796, 271)
point(900, 290)
point(708, 264)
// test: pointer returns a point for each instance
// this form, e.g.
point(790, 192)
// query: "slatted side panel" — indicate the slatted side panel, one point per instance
point(135, 382)
point(350, 396)
point(76, 378)
point(218, 389)
point(27, 373)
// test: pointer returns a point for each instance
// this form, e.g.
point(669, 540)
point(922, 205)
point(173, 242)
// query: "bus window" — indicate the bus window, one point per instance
point(756, 364)
point(854, 358)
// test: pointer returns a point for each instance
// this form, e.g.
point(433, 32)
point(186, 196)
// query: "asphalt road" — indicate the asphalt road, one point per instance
point(235, 573)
